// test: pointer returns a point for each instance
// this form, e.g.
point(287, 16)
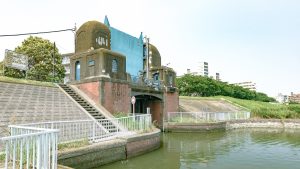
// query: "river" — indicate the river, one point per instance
point(236, 149)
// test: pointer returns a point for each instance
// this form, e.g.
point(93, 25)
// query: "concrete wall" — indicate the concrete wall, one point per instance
point(102, 64)
point(251, 123)
point(110, 151)
point(264, 123)
point(94, 155)
point(194, 127)
point(138, 145)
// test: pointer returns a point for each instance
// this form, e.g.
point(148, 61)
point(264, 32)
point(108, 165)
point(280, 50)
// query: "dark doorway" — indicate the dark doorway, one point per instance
point(153, 103)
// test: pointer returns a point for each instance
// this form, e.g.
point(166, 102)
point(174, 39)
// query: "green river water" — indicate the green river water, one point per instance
point(236, 149)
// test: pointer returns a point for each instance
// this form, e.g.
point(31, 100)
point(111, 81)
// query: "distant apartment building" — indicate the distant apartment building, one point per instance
point(294, 98)
point(218, 77)
point(247, 85)
point(203, 69)
point(282, 98)
point(188, 71)
point(66, 64)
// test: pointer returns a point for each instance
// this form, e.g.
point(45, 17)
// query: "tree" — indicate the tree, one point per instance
point(40, 54)
point(191, 85)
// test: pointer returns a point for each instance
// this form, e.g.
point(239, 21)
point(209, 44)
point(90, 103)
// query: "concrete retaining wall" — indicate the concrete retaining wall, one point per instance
point(194, 127)
point(142, 144)
point(250, 123)
point(22, 103)
point(94, 155)
point(264, 123)
point(110, 151)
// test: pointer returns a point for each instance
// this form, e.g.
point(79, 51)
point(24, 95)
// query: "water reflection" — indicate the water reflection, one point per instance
point(255, 148)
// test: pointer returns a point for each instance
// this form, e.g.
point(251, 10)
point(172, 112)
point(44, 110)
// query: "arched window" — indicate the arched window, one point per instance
point(114, 66)
point(77, 70)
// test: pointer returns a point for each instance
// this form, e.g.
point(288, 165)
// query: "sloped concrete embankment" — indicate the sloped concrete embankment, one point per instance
point(23, 103)
point(110, 151)
point(236, 124)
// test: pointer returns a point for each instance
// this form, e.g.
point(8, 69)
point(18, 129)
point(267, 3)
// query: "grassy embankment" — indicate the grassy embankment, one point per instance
point(25, 81)
point(260, 109)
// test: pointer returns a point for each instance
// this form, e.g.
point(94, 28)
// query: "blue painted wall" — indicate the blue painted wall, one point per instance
point(129, 46)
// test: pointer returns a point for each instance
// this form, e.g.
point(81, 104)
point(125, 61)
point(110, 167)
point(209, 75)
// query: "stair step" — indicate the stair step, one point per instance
point(91, 110)
point(94, 112)
point(98, 117)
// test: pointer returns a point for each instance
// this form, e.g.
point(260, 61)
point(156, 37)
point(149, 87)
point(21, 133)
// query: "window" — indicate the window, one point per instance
point(156, 77)
point(91, 63)
point(77, 70)
point(170, 80)
point(114, 65)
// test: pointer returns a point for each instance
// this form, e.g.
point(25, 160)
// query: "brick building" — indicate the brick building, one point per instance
point(111, 66)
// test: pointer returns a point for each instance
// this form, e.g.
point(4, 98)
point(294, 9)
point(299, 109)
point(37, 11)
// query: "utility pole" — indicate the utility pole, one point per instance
point(53, 62)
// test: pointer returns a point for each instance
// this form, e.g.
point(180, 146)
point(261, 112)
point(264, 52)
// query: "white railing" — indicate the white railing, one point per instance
point(30, 147)
point(137, 123)
point(74, 130)
point(198, 117)
point(95, 131)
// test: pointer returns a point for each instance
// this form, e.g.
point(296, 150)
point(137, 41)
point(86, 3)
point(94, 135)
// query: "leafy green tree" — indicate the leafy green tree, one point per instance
point(40, 54)
point(191, 85)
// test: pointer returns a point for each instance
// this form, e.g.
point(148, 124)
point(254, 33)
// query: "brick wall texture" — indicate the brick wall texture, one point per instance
point(114, 96)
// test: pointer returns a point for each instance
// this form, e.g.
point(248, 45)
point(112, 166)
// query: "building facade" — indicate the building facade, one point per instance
point(66, 64)
point(203, 69)
point(295, 98)
point(247, 85)
point(280, 98)
point(111, 66)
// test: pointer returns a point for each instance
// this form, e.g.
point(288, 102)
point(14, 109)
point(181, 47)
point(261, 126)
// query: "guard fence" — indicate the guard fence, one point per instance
point(35, 145)
point(97, 130)
point(200, 117)
point(30, 147)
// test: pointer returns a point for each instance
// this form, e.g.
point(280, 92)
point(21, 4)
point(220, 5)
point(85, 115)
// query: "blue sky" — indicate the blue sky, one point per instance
point(243, 40)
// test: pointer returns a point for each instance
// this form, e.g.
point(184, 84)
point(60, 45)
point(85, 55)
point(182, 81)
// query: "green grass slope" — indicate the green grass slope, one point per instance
point(25, 81)
point(260, 109)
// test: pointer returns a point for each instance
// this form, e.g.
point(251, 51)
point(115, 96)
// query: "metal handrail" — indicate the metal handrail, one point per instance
point(30, 147)
point(198, 117)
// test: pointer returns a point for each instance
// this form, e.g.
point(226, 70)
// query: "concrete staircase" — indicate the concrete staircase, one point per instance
point(105, 122)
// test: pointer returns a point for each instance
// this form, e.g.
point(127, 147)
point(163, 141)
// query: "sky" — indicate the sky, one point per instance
point(243, 40)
